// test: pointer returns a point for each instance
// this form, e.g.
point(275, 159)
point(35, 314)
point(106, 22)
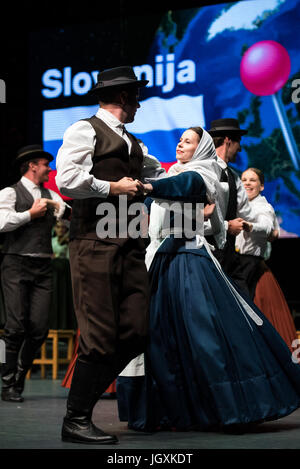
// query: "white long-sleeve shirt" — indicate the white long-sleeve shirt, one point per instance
point(10, 220)
point(74, 159)
point(243, 206)
point(256, 242)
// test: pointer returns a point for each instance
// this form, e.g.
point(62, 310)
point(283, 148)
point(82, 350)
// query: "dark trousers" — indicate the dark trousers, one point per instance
point(251, 269)
point(111, 296)
point(27, 290)
point(244, 270)
point(228, 257)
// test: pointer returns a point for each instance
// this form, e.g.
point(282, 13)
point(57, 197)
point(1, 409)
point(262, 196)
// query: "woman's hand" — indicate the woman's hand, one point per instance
point(208, 211)
point(273, 235)
point(148, 188)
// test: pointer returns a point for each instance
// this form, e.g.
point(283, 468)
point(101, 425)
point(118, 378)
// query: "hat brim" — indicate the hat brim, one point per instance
point(32, 155)
point(97, 89)
point(227, 131)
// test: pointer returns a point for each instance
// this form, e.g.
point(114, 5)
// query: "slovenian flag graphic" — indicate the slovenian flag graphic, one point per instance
point(159, 123)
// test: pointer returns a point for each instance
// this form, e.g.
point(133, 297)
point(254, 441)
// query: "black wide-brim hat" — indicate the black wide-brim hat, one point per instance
point(118, 76)
point(32, 152)
point(220, 127)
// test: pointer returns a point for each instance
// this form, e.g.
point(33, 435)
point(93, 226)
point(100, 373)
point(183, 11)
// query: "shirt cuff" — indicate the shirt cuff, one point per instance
point(25, 217)
point(101, 187)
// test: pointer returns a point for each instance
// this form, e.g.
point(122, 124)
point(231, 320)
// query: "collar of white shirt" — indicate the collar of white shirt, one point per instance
point(221, 162)
point(30, 186)
point(109, 119)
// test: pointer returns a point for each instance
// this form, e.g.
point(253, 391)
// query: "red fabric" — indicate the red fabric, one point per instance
point(167, 166)
point(51, 184)
point(271, 301)
point(66, 383)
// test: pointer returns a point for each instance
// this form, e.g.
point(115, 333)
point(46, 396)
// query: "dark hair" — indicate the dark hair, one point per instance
point(25, 166)
point(259, 173)
point(197, 130)
point(218, 141)
point(111, 95)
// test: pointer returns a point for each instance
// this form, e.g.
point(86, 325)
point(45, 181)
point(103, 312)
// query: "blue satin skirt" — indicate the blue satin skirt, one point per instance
point(208, 364)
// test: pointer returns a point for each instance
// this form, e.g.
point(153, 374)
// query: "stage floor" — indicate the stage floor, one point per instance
point(36, 424)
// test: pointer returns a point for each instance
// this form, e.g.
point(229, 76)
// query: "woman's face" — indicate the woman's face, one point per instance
point(252, 184)
point(60, 229)
point(186, 146)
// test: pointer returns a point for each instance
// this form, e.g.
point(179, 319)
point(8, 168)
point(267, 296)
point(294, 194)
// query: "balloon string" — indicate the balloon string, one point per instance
point(286, 130)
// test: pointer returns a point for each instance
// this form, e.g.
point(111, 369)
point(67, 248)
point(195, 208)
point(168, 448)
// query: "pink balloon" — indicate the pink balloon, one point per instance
point(265, 68)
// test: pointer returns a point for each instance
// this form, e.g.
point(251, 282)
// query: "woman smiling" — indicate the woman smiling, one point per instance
point(254, 248)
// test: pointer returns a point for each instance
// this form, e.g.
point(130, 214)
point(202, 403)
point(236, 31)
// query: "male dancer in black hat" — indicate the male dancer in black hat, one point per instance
point(227, 136)
point(98, 162)
point(28, 212)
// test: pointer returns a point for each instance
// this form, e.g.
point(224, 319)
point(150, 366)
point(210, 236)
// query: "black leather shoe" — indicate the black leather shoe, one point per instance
point(11, 395)
point(79, 430)
point(88, 382)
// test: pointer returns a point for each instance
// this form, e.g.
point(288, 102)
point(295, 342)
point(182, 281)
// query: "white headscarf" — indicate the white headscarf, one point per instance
point(204, 162)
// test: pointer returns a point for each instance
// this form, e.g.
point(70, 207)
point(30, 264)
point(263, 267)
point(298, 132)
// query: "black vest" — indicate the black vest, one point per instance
point(33, 237)
point(111, 162)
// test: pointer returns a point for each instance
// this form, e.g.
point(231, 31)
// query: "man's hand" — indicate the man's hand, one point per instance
point(38, 208)
point(235, 226)
point(126, 186)
point(52, 203)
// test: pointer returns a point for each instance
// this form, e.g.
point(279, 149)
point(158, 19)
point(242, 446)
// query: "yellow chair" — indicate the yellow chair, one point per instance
point(55, 335)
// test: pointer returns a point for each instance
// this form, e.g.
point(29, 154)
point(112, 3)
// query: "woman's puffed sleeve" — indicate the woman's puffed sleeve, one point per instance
point(186, 187)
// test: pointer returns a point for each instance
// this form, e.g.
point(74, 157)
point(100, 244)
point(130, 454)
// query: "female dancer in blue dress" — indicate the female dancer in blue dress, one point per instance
point(213, 360)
